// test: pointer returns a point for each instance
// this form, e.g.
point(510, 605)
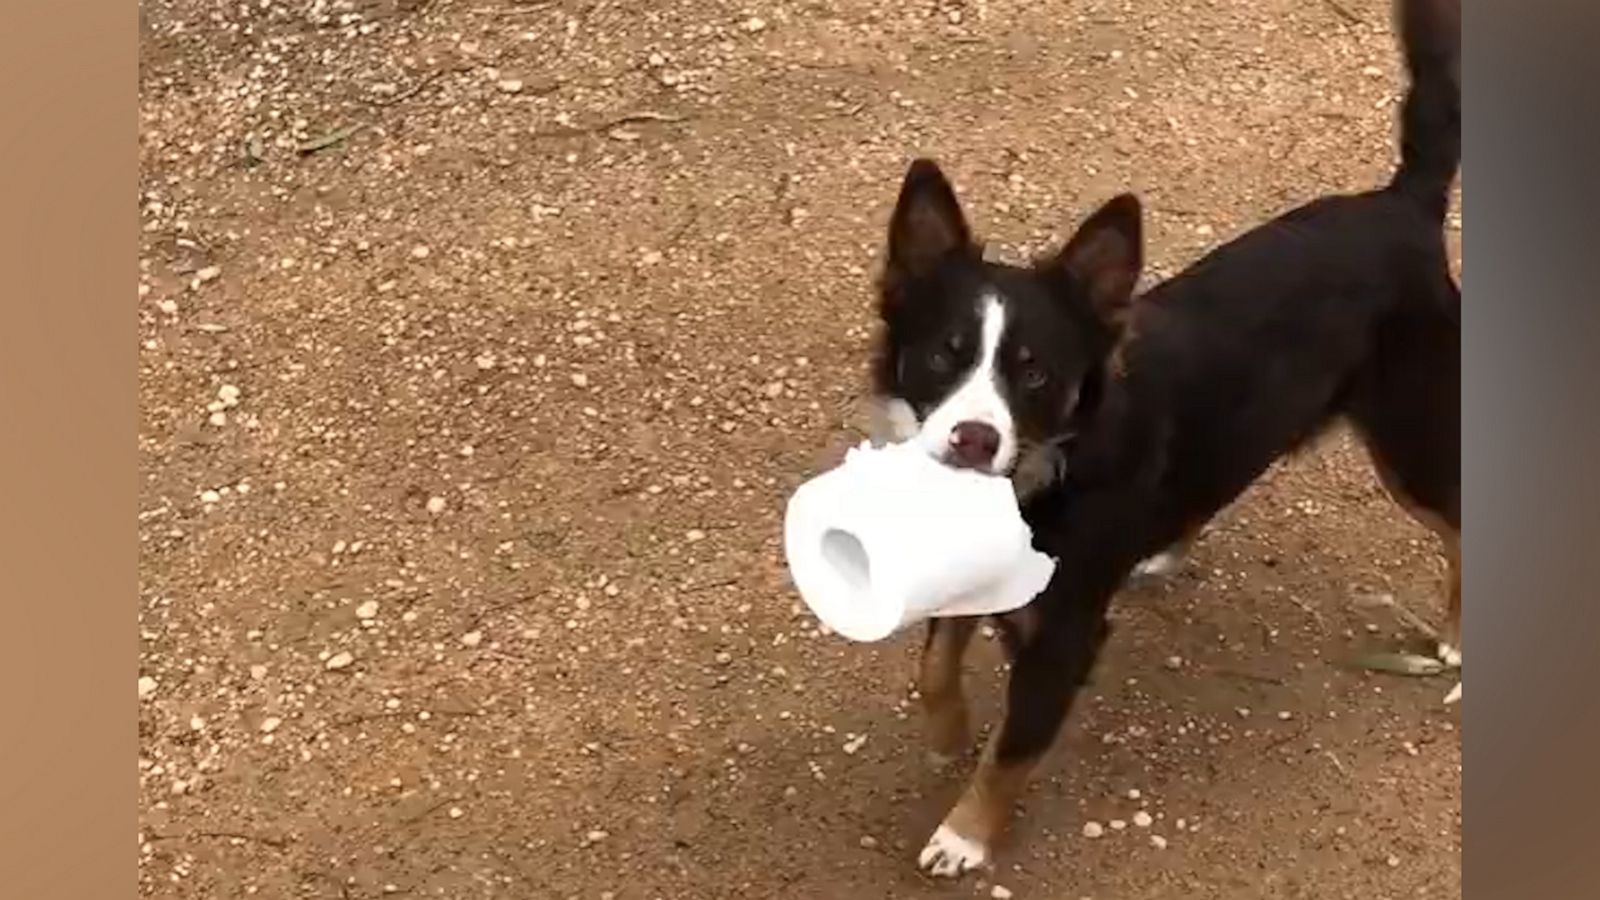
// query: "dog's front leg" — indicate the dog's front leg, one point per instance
point(1048, 667)
point(939, 683)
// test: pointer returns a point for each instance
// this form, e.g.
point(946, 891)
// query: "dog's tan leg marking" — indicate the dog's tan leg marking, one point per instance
point(964, 840)
point(1450, 539)
point(943, 701)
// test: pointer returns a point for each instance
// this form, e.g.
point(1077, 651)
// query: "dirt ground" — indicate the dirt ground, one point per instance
point(482, 343)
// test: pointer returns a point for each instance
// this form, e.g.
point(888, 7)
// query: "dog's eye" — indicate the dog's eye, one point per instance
point(939, 361)
point(1033, 378)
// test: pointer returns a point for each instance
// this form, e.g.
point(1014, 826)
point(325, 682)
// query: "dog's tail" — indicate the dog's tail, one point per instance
point(1430, 115)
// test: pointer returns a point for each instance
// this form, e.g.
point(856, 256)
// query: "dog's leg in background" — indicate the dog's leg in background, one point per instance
point(1450, 639)
point(1168, 561)
point(939, 683)
point(1047, 671)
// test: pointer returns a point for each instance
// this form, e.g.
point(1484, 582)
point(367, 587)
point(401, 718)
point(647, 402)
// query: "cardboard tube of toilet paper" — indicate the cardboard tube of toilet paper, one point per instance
point(892, 537)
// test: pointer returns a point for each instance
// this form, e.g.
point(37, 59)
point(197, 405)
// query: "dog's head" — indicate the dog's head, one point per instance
point(990, 366)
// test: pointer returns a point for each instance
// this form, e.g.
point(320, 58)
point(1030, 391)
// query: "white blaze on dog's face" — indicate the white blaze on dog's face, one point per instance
point(974, 426)
point(985, 364)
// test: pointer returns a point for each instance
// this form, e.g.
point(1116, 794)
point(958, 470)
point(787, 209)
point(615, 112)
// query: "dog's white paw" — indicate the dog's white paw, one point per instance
point(1450, 655)
point(949, 855)
point(1159, 566)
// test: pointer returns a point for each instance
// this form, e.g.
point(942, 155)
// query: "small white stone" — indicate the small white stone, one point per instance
point(147, 687)
point(367, 610)
point(868, 842)
point(339, 660)
point(218, 419)
point(1158, 842)
point(1000, 892)
point(436, 505)
point(1142, 819)
point(196, 723)
point(596, 836)
point(229, 395)
point(1134, 794)
point(167, 307)
point(580, 380)
point(1093, 829)
point(472, 639)
point(420, 251)
point(258, 672)
point(209, 273)
point(270, 724)
point(510, 85)
point(1117, 824)
point(695, 535)
point(456, 813)
point(210, 496)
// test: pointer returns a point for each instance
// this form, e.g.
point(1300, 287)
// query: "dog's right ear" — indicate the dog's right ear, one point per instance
point(927, 225)
point(1104, 259)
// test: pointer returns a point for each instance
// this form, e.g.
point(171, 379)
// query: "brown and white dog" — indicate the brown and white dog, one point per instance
point(1125, 425)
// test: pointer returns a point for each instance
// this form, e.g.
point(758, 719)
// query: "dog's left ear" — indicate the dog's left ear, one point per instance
point(1105, 257)
point(927, 225)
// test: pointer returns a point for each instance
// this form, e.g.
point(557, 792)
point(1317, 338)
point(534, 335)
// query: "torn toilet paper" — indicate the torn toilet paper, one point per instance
point(891, 537)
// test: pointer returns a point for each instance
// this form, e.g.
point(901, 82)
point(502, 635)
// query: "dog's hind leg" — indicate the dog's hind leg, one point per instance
point(1407, 410)
point(1171, 560)
point(1167, 562)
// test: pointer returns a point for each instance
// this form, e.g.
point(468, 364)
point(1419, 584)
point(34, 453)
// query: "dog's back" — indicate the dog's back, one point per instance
point(1344, 306)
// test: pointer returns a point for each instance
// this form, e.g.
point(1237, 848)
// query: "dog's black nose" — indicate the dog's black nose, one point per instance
point(973, 445)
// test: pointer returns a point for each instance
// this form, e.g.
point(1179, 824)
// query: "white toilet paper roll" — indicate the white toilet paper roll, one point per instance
point(892, 537)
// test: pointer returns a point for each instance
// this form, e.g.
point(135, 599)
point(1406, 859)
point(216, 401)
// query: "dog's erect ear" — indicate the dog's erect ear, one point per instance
point(927, 224)
point(1105, 257)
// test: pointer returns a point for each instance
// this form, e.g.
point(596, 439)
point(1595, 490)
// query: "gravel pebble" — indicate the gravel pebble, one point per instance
point(367, 610)
point(339, 660)
point(1158, 842)
point(1000, 892)
point(1093, 829)
point(1142, 819)
point(147, 687)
